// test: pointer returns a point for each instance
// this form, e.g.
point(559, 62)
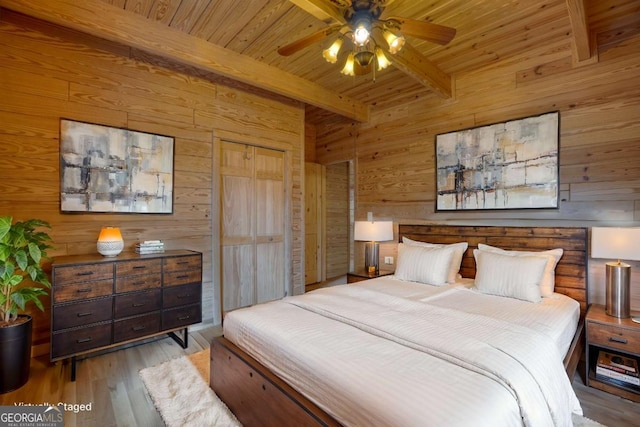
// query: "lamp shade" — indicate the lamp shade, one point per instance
point(373, 231)
point(615, 243)
point(110, 241)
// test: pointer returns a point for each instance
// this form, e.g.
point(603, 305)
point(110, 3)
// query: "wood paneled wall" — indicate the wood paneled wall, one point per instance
point(599, 104)
point(48, 72)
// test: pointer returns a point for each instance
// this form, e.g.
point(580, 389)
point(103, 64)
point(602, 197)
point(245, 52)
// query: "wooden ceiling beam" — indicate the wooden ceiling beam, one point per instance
point(413, 63)
point(321, 9)
point(579, 28)
point(111, 23)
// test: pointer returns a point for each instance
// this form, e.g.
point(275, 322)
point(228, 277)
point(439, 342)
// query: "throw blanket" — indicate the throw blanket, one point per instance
point(520, 359)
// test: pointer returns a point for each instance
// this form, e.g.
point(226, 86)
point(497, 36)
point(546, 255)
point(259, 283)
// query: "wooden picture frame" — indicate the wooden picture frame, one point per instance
point(109, 169)
point(507, 165)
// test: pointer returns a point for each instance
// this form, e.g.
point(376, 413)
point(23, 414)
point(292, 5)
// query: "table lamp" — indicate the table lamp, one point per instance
point(372, 232)
point(620, 244)
point(110, 241)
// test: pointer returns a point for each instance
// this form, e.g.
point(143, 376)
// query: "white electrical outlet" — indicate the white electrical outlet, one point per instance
point(388, 260)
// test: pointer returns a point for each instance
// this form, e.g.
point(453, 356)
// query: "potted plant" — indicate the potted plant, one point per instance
point(22, 248)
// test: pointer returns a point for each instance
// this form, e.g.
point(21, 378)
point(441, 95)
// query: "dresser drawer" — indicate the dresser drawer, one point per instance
point(135, 327)
point(188, 262)
point(614, 337)
point(138, 267)
point(182, 277)
point(82, 273)
point(80, 291)
point(182, 316)
point(137, 303)
point(138, 283)
point(181, 295)
point(81, 313)
point(75, 341)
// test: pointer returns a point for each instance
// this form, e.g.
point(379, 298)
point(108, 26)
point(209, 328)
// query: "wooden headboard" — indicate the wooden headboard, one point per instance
point(571, 271)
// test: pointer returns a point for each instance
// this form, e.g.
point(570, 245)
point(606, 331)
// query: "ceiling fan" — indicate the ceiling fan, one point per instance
point(361, 24)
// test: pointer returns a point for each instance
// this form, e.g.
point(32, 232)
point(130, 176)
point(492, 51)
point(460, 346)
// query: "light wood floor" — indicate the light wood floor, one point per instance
point(111, 384)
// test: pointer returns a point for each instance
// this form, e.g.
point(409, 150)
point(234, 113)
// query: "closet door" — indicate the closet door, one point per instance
point(252, 224)
point(270, 203)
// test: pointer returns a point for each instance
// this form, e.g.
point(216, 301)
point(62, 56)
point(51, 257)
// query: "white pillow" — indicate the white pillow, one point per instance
point(509, 276)
point(424, 265)
point(456, 260)
point(553, 256)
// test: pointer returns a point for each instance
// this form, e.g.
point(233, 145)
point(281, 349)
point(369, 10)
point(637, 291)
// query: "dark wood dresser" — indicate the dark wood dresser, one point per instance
point(99, 303)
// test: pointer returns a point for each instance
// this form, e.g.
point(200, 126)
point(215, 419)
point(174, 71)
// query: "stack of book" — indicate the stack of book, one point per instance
point(150, 247)
point(611, 366)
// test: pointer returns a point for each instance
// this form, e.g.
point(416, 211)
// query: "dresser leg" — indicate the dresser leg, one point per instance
point(184, 342)
point(73, 368)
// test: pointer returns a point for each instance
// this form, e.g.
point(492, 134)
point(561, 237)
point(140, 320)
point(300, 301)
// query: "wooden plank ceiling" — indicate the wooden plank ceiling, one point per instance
point(487, 31)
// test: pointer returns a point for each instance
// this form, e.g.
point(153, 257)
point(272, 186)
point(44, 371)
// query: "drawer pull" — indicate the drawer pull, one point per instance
point(183, 296)
point(139, 267)
point(138, 328)
point(183, 317)
point(183, 262)
point(618, 340)
point(137, 304)
point(84, 291)
point(89, 313)
point(183, 276)
point(139, 283)
point(85, 273)
point(83, 340)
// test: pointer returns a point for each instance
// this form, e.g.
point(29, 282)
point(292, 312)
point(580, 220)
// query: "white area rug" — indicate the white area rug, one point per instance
point(579, 421)
point(183, 397)
point(180, 390)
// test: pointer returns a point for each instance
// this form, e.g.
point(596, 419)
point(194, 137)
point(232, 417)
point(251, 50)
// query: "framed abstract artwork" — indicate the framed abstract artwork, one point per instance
point(108, 169)
point(508, 165)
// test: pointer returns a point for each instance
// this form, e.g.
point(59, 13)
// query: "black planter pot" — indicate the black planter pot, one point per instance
point(15, 355)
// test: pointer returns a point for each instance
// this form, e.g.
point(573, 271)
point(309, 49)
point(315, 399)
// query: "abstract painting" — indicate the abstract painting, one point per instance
point(108, 169)
point(508, 165)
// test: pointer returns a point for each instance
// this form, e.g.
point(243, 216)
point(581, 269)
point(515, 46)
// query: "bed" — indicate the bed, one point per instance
point(286, 362)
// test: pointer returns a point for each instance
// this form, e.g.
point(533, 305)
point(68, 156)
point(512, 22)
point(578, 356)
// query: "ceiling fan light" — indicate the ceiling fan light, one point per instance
point(381, 59)
point(395, 41)
point(361, 35)
point(361, 29)
point(349, 66)
point(331, 53)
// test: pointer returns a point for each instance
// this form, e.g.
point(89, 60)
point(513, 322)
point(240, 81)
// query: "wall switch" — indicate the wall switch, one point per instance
point(388, 260)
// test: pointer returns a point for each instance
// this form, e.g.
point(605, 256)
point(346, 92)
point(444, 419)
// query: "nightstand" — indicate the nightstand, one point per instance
point(618, 337)
point(362, 274)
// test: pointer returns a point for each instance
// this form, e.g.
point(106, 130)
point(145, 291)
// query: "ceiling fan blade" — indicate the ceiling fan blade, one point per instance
point(425, 30)
point(307, 41)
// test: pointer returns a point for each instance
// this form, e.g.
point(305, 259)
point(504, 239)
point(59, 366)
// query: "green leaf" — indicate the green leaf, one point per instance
point(15, 280)
point(18, 299)
point(34, 252)
point(21, 259)
point(5, 252)
point(5, 226)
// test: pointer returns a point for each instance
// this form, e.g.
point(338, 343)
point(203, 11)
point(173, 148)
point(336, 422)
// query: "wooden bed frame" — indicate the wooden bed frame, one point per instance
point(258, 397)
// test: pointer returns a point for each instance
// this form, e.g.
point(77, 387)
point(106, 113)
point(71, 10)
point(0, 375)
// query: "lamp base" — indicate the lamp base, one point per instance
point(371, 256)
point(110, 248)
point(618, 290)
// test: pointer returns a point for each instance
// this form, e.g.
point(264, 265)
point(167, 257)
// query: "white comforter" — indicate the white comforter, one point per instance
point(369, 358)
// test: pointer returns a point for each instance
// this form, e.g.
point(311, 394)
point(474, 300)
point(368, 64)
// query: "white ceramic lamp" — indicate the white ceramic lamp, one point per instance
point(372, 232)
point(619, 244)
point(110, 241)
